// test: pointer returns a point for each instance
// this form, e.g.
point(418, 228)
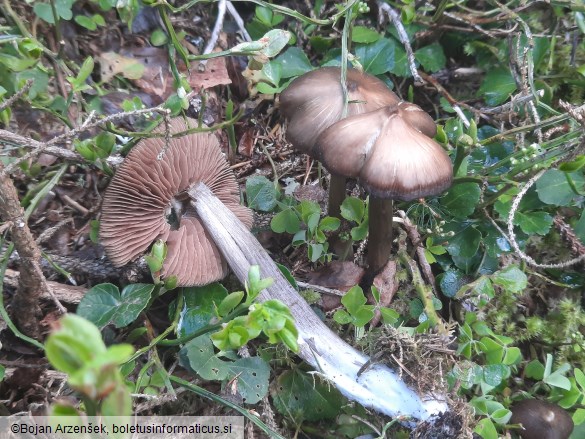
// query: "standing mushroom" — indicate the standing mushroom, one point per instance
point(315, 101)
point(392, 160)
point(147, 200)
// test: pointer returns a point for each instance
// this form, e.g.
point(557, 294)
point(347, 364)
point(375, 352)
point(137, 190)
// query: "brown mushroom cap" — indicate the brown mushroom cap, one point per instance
point(146, 193)
point(418, 118)
point(314, 101)
point(541, 420)
point(390, 157)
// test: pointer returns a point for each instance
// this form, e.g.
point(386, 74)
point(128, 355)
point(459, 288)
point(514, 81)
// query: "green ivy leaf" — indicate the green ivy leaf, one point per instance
point(510, 278)
point(431, 57)
point(362, 34)
point(553, 188)
point(293, 62)
point(251, 376)
point(451, 282)
point(104, 303)
point(534, 222)
point(199, 307)
point(301, 397)
point(199, 355)
point(461, 199)
point(497, 86)
point(377, 58)
point(261, 193)
point(465, 243)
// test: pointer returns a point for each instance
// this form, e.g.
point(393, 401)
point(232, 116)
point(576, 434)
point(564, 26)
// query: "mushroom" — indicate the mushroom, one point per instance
point(147, 201)
point(541, 420)
point(392, 160)
point(314, 101)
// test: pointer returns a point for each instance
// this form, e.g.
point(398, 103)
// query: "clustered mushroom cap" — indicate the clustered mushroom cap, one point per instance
point(541, 420)
point(314, 101)
point(147, 192)
point(390, 158)
point(418, 118)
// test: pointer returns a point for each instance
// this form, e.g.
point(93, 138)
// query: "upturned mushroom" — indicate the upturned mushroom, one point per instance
point(315, 101)
point(392, 160)
point(147, 201)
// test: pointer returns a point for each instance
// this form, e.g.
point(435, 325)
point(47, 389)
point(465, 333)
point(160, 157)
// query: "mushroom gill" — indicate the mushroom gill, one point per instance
point(146, 201)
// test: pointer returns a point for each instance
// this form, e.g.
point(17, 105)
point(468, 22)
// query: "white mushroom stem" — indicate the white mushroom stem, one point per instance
point(379, 234)
point(377, 387)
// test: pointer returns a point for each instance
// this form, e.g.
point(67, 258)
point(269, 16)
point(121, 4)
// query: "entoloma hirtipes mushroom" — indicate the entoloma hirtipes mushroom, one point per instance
point(147, 201)
point(315, 100)
point(392, 160)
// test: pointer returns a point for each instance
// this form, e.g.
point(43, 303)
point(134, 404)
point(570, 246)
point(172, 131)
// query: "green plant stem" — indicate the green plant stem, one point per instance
point(216, 398)
point(3, 311)
point(144, 134)
point(459, 156)
point(166, 332)
point(57, 19)
point(424, 291)
point(240, 310)
point(171, 31)
point(272, 165)
point(542, 124)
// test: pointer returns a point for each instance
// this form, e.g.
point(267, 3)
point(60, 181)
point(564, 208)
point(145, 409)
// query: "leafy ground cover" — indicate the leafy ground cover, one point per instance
point(481, 300)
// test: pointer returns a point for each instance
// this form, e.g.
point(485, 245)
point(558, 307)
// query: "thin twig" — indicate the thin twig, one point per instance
point(221, 9)
point(241, 25)
point(12, 99)
point(512, 236)
point(403, 36)
point(320, 289)
point(514, 100)
point(41, 147)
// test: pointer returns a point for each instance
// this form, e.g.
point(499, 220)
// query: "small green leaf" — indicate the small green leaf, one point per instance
point(377, 58)
point(461, 199)
point(229, 303)
point(362, 34)
point(534, 370)
point(431, 57)
point(251, 377)
point(574, 165)
point(261, 193)
point(104, 303)
point(301, 397)
point(85, 22)
point(158, 37)
point(285, 221)
point(293, 62)
point(553, 188)
point(511, 278)
point(497, 86)
point(353, 209)
point(354, 299)
point(494, 374)
point(486, 429)
point(329, 224)
point(199, 355)
point(534, 222)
